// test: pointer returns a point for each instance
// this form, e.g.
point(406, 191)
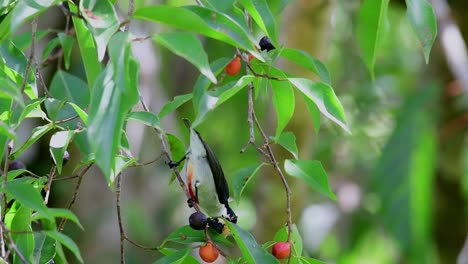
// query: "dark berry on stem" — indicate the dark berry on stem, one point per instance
point(16, 165)
point(265, 44)
point(198, 221)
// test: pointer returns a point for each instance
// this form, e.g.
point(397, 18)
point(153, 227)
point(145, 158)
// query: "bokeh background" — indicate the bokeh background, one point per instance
point(401, 177)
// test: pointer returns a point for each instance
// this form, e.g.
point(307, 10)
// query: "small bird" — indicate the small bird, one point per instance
point(204, 178)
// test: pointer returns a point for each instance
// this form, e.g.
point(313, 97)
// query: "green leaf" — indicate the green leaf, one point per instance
point(174, 104)
point(37, 133)
point(107, 113)
point(28, 9)
point(23, 40)
point(261, 14)
point(186, 235)
point(10, 90)
point(209, 102)
point(314, 113)
point(66, 41)
point(242, 178)
point(146, 118)
point(176, 147)
point(50, 46)
point(21, 114)
point(284, 102)
point(121, 163)
point(203, 83)
point(24, 241)
point(371, 23)
point(7, 131)
point(304, 260)
point(288, 141)
point(102, 20)
point(297, 245)
point(67, 242)
point(251, 251)
point(305, 60)
point(87, 47)
point(66, 214)
point(44, 248)
point(312, 172)
point(119, 53)
point(80, 112)
point(188, 47)
point(29, 196)
point(179, 257)
point(324, 97)
point(58, 145)
point(200, 20)
point(423, 20)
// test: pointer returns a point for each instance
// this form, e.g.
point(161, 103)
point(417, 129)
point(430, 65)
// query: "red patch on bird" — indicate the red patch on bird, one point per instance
point(189, 180)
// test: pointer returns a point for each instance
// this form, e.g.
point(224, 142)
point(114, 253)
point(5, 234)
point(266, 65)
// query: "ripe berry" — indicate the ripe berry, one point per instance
point(198, 221)
point(208, 252)
point(281, 250)
point(233, 67)
point(265, 44)
point(251, 57)
point(16, 165)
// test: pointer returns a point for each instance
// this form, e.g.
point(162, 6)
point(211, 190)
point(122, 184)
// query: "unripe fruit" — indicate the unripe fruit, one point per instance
point(198, 221)
point(281, 250)
point(265, 44)
point(66, 157)
point(209, 253)
point(233, 67)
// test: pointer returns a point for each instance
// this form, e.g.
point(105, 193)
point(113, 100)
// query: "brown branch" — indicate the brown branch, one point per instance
point(75, 194)
point(52, 173)
point(31, 54)
point(141, 246)
point(118, 189)
point(12, 243)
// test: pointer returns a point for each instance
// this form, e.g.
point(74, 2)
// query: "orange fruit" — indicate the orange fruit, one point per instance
point(233, 67)
point(208, 252)
point(281, 250)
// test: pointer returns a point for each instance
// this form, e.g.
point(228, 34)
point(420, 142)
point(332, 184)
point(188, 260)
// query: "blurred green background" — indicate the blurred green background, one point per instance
point(401, 177)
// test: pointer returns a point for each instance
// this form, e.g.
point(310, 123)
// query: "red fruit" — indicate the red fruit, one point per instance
point(233, 67)
point(251, 57)
point(208, 252)
point(281, 250)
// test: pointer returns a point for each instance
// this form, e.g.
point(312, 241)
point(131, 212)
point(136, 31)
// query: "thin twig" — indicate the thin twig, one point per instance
point(31, 54)
point(12, 244)
point(3, 200)
point(53, 170)
point(147, 162)
point(141, 246)
point(41, 81)
point(75, 194)
point(119, 217)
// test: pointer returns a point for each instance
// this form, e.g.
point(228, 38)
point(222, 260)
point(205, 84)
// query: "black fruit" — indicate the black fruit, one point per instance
point(265, 44)
point(16, 165)
point(198, 221)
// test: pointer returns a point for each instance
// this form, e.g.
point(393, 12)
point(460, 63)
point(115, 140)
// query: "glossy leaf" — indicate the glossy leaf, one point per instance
point(288, 141)
point(66, 41)
point(10, 90)
point(324, 98)
point(186, 235)
point(209, 101)
point(423, 20)
point(102, 20)
point(29, 196)
point(44, 248)
point(188, 47)
point(49, 48)
point(284, 102)
point(305, 60)
point(174, 104)
point(21, 113)
point(371, 23)
point(179, 257)
point(251, 251)
point(305, 260)
point(203, 83)
point(242, 179)
point(314, 113)
point(24, 241)
point(119, 53)
point(107, 113)
point(58, 145)
point(80, 112)
point(176, 147)
point(146, 118)
point(27, 9)
point(312, 172)
point(199, 20)
point(261, 14)
point(88, 50)
point(37, 133)
point(67, 242)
